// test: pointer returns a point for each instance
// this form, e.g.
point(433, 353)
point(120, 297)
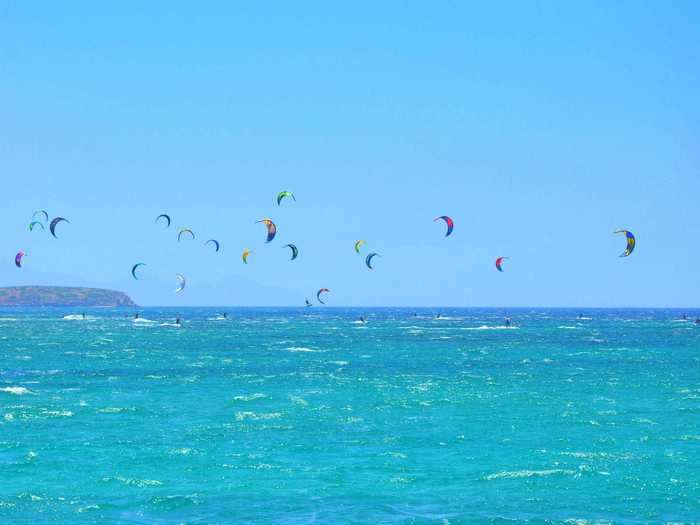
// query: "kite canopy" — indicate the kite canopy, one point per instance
point(295, 251)
point(318, 294)
point(216, 243)
point(358, 245)
point(368, 260)
point(499, 263)
point(184, 231)
point(35, 223)
point(135, 267)
point(52, 226)
point(42, 213)
point(271, 228)
point(182, 281)
point(631, 242)
point(245, 255)
point(166, 217)
point(450, 223)
point(281, 195)
point(18, 259)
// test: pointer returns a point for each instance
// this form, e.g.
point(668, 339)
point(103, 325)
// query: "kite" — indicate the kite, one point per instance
point(358, 245)
point(631, 242)
point(295, 251)
point(183, 282)
point(183, 231)
point(52, 226)
point(499, 262)
point(41, 212)
point(450, 223)
point(35, 223)
point(166, 217)
point(281, 195)
point(216, 243)
point(368, 260)
point(245, 255)
point(271, 228)
point(134, 267)
point(18, 259)
point(318, 294)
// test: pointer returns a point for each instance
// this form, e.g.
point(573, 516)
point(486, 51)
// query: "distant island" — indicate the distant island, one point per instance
point(62, 296)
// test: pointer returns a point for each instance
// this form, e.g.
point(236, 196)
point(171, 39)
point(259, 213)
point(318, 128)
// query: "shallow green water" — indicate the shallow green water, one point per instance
point(306, 416)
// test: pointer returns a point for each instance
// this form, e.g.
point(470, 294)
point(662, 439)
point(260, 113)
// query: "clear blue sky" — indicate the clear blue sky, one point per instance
point(540, 127)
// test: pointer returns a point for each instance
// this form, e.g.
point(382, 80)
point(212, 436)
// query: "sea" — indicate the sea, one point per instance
point(312, 416)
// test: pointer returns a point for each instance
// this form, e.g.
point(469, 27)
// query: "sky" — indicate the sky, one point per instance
point(539, 127)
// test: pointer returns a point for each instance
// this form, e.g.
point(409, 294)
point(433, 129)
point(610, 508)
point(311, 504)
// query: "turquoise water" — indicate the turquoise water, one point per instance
point(290, 416)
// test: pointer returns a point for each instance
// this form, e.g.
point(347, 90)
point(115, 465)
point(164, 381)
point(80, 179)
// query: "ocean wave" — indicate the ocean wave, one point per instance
point(242, 416)
point(17, 390)
point(301, 349)
point(250, 397)
point(136, 482)
point(485, 327)
point(512, 474)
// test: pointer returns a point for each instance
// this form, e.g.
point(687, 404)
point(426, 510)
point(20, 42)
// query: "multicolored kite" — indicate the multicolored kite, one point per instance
point(18, 259)
point(450, 223)
point(358, 245)
point(499, 263)
point(245, 255)
point(281, 195)
point(271, 228)
point(631, 242)
point(318, 294)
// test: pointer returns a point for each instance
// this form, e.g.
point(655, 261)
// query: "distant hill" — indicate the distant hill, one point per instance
point(62, 296)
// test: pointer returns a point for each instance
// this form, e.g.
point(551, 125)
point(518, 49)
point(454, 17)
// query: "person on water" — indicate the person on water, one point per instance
point(178, 321)
point(224, 315)
point(136, 315)
point(83, 315)
point(508, 322)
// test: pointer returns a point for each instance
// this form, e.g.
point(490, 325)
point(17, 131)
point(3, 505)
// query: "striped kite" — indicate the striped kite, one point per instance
point(499, 263)
point(245, 255)
point(18, 259)
point(358, 245)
